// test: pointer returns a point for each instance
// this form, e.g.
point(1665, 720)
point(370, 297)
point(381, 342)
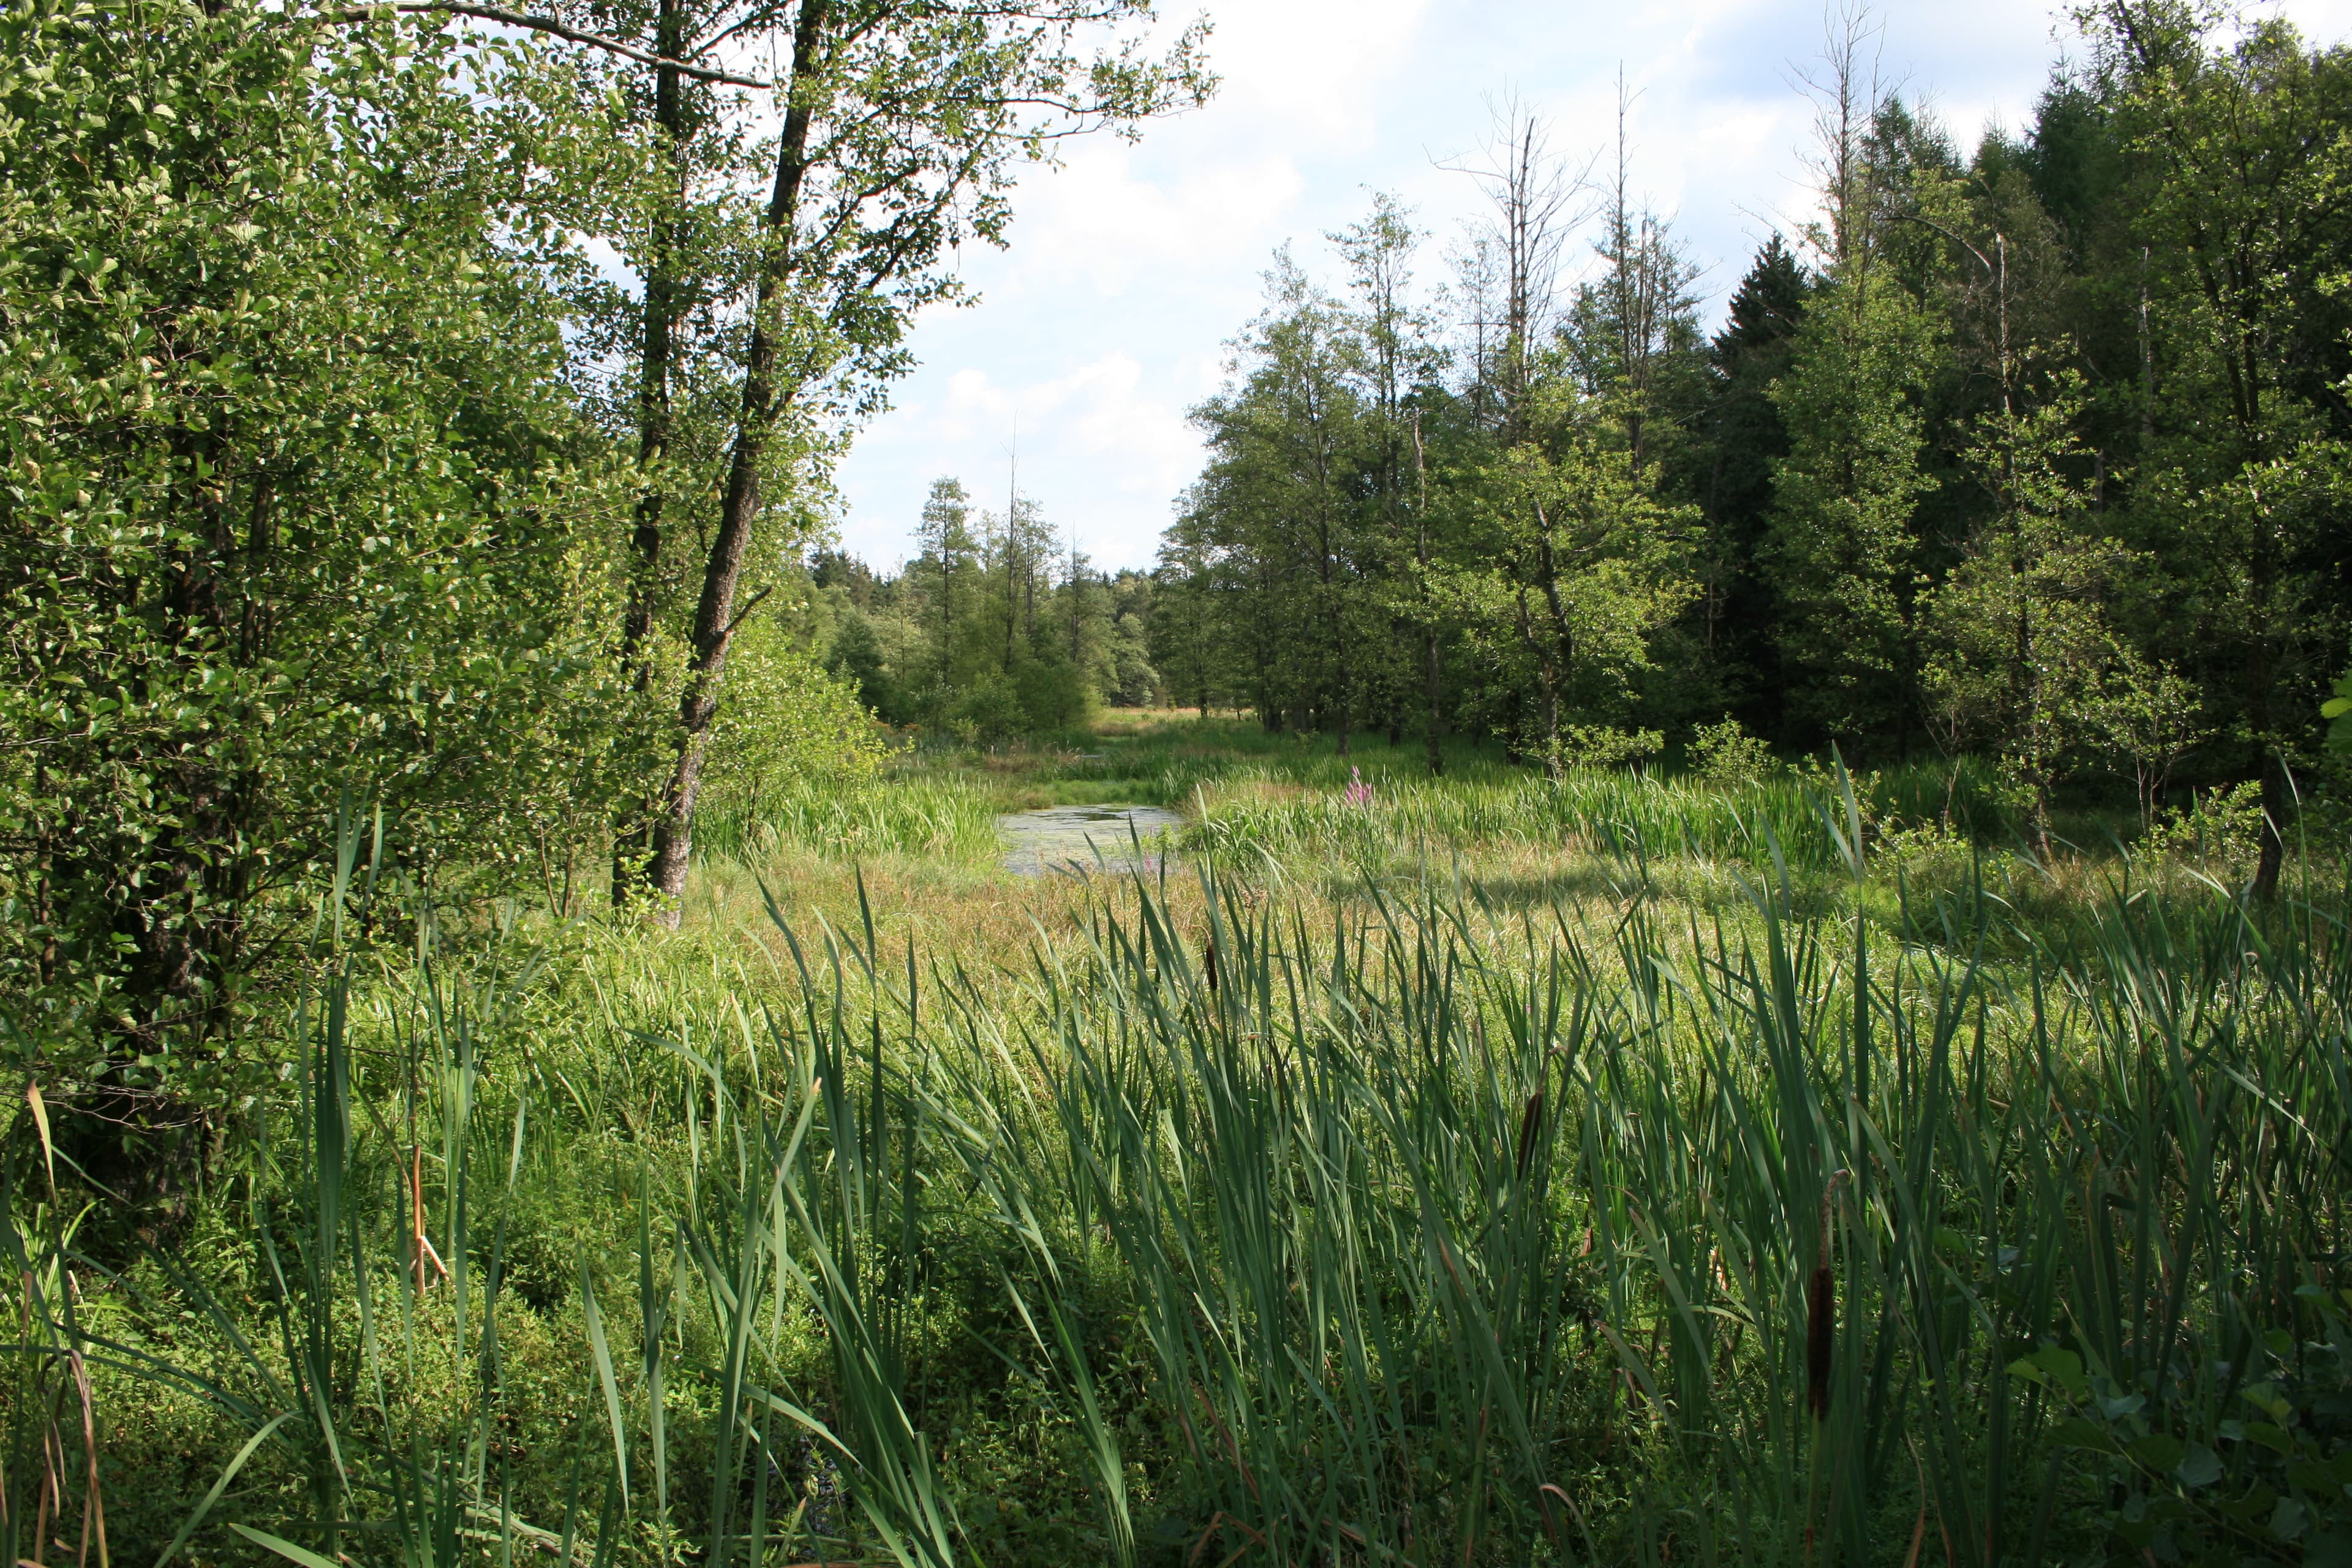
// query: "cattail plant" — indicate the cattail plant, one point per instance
point(1821, 1313)
point(1443, 1223)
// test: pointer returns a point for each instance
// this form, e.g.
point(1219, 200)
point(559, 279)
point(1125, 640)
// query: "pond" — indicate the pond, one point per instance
point(1083, 838)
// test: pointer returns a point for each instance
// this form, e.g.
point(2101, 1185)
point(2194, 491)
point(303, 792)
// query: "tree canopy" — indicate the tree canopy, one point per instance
point(2035, 453)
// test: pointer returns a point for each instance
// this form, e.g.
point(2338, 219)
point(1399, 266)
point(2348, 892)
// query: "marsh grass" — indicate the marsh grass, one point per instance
point(51, 1495)
point(1252, 797)
point(1373, 1187)
point(946, 819)
point(1274, 812)
point(1229, 1215)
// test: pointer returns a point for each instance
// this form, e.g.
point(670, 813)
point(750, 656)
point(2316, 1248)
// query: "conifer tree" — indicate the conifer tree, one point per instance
point(1743, 436)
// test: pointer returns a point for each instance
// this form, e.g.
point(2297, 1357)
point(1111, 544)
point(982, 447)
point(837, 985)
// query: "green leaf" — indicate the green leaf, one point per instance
point(603, 1354)
point(2062, 1367)
point(2274, 1438)
point(2200, 1466)
point(2312, 1477)
point(286, 1549)
point(2331, 1548)
point(226, 1476)
point(2076, 1433)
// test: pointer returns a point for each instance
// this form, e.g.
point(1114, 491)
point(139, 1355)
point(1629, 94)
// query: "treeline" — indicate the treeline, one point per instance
point(2035, 450)
point(407, 418)
point(994, 629)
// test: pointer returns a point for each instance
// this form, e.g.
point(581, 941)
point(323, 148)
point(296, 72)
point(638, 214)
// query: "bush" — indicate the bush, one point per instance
point(296, 501)
point(2220, 828)
point(1602, 746)
point(786, 721)
point(1727, 754)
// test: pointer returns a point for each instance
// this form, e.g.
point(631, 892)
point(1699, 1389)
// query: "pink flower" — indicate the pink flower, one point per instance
point(1358, 791)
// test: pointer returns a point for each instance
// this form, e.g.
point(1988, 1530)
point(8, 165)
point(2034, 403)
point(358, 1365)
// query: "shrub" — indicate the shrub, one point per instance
point(1727, 754)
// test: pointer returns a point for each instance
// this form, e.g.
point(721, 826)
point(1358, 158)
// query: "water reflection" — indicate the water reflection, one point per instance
point(1083, 838)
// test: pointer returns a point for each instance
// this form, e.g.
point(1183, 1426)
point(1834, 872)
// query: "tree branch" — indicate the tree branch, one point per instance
point(1947, 234)
point(553, 28)
point(744, 613)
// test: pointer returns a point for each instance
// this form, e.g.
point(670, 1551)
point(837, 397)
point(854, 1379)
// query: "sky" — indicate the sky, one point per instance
point(1131, 267)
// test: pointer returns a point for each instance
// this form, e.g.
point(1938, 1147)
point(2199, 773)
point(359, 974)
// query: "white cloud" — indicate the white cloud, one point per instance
point(1102, 448)
point(1101, 221)
point(1312, 68)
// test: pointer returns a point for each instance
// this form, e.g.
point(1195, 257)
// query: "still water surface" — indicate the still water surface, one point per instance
point(1083, 838)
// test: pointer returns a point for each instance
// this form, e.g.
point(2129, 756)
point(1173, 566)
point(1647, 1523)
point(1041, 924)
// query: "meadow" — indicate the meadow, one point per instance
point(1787, 1168)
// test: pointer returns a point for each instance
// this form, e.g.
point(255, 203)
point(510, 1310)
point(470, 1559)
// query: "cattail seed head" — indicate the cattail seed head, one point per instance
point(1821, 1313)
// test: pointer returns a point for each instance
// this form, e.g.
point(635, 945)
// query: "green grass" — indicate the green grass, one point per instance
point(903, 813)
point(1327, 1201)
point(1251, 794)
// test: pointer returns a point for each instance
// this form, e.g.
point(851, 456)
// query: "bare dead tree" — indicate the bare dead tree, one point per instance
point(1536, 202)
point(1844, 85)
point(1645, 284)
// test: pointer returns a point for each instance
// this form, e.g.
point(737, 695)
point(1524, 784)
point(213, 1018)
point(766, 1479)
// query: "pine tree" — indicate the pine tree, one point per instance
point(945, 563)
point(1743, 436)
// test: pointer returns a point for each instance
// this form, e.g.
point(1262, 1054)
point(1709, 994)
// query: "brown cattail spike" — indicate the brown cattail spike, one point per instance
point(1529, 1125)
point(1821, 1313)
point(1821, 1318)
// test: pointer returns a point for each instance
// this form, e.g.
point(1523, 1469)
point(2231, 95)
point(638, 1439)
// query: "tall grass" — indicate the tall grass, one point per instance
point(1863, 1247)
point(1269, 812)
point(939, 817)
point(1442, 1232)
point(51, 1497)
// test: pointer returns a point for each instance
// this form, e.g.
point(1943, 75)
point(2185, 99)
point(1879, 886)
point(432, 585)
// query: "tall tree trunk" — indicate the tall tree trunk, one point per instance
point(714, 615)
point(1012, 558)
point(1551, 724)
point(1548, 686)
point(1436, 685)
point(633, 836)
point(2273, 830)
point(182, 925)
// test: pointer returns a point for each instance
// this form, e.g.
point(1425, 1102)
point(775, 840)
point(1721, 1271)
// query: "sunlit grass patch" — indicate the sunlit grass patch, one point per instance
point(942, 817)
